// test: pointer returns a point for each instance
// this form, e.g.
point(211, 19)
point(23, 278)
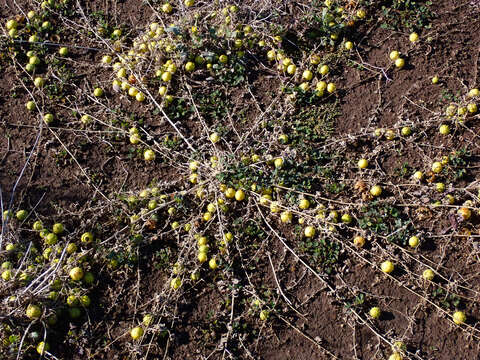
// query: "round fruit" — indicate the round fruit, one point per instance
point(63, 51)
point(413, 241)
point(363, 163)
point(98, 92)
point(359, 241)
point(175, 283)
point(286, 217)
point(147, 319)
point(324, 69)
point(76, 273)
point(291, 69)
point(307, 75)
point(428, 274)
point(406, 131)
point(167, 8)
point(418, 175)
point(472, 108)
point(149, 155)
point(87, 237)
point(264, 315)
point(33, 311)
point(375, 312)
point(239, 195)
point(51, 239)
point(395, 356)
point(7, 275)
point(440, 187)
point(435, 80)
point(331, 87)
point(349, 45)
point(437, 167)
point(39, 82)
point(400, 63)
point(43, 347)
point(58, 228)
point(21, 215)
point(459, 317)
point(190, 66)
point(347, 218)
point(304, 204)
point(465, 213)
point(394, 55)
point(136, 333)
point(213, 264)
point(474, 93)
point(387, 266)
point(214, 137)
point(376, 190)
point(309, 231)
point(413, 37)
point(278, 163)
point(202, 256)
point(444, 129)
point(30, 105)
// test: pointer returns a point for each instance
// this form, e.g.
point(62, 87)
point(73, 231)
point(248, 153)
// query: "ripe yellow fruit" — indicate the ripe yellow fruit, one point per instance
point(394, 55)
point(413, 241)
point(212, 264)
point(304, 204)
point(440, 187)
point(406, 131)
point(375, 312)
point(87, 237)
point(459, 317)
point(76, 273)
point(98, 92)
point(473, 93)
point(363, 163)
point(264, 315)
point(324, 69)
point(278, 163)
point(149, 155)
point(166, 76)
point(307, 75)
point(465, 213)
point(349, 45)
point(413, 37)
point(175, 283)
point(376, 190)
point(428, 274)
point(444, 129)
point(42, 347)
point(437, 167)
point(435, 80)
point(207, 216)
point(214, 137)
point(136, 333)
point(387, 266)
point(331, 87)
point(291, 69)
point(239, 195)
point(472, 108)
point(230, 193)
point(274, 207)
point(167, 8)
point(147, 320)
point(309, 231)
point(359, 241)
point(33, 311)
point(202, 257)
point(190, 66)
point(400, 63)
point(286, 216)
point(395, 356)
point(418, 175)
